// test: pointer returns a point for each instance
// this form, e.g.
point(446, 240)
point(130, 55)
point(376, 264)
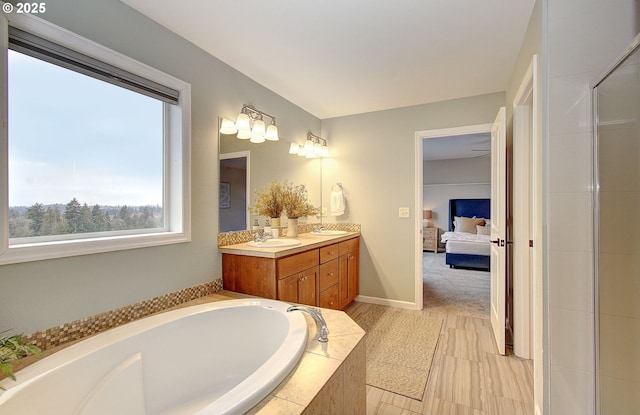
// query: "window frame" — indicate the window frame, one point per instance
point(177, 155)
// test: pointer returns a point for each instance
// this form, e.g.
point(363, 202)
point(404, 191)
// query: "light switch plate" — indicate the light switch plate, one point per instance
point(403, 212)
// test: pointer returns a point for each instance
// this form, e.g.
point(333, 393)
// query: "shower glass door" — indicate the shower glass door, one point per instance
point(617, 236)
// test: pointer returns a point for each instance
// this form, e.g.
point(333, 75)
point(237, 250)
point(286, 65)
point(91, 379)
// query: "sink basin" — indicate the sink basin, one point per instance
point(328, 232)
point(275, 243)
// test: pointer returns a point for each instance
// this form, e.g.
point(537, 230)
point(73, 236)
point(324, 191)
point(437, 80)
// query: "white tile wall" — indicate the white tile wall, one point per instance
point(583, 39)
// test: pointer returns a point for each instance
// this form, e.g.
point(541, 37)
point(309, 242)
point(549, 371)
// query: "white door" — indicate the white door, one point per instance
point(498, 227)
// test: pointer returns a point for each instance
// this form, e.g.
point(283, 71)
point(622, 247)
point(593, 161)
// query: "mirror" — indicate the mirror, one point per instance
point(245, 166)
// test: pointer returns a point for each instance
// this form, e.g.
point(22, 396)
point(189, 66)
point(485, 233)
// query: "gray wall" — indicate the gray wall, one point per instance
point(373, 157)
point(43, 294)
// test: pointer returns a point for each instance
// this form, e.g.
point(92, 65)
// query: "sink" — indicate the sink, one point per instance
point(275, 243)
point(328, 232)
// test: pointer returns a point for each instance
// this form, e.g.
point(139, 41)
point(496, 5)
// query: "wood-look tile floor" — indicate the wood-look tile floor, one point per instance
point(467, 375)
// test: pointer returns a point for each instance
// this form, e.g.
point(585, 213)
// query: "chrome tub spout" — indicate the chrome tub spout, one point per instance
point(316, 314)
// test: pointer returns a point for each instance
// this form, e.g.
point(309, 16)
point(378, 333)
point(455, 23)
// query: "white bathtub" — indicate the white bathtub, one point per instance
point(216, 358)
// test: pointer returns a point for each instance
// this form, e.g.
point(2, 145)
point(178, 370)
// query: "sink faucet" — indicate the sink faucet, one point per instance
point(318, 228)
point(265, 235)
point(323, 331)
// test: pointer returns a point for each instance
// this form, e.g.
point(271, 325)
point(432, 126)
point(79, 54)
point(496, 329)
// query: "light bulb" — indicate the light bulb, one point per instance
point(294, 148)
point(243, 123)
point(257, 132)
point(228, 127)
point(272, 133)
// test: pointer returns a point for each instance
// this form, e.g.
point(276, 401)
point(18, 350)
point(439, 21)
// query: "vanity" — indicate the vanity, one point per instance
point(322, 271)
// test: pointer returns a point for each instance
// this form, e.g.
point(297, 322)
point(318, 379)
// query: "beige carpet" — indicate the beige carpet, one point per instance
point(455, 291)
point(400, 348)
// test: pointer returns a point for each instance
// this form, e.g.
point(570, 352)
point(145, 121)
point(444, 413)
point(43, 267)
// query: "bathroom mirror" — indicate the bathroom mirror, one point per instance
point(246, 166)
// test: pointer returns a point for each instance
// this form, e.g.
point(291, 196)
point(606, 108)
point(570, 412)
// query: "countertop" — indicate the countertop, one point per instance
point(308, 240)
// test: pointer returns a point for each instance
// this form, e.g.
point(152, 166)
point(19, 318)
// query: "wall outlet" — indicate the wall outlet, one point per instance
point(403, 212)
point(323, 211)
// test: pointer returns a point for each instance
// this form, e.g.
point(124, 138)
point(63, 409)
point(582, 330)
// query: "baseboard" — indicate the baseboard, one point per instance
point(387, 302)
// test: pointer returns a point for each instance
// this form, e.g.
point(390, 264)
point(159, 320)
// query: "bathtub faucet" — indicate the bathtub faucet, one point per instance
point(323, 331)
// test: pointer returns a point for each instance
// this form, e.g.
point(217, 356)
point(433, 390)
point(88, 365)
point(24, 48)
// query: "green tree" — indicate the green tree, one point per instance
point(147, 220)
point(73, 216)
point(86, 219)
point(125, 215)
point(20, 227)
point(36, 214)
point(53, 222)
point(100, 219)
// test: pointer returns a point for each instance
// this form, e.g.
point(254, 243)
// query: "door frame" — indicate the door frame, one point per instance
point(526, 115)
point(420, 136)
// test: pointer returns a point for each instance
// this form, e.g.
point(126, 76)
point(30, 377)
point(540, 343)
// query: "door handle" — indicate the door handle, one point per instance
point(499, 242)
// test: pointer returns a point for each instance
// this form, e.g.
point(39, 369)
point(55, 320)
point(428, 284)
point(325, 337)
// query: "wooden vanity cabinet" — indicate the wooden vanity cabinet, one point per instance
point(325, 277)
point(339, 279)
point(298, 277)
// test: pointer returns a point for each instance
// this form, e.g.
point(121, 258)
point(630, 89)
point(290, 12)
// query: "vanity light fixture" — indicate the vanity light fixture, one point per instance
point(313, 147)
point(250, 125)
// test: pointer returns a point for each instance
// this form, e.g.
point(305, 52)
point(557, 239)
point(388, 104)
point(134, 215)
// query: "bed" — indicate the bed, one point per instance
point(464, 248)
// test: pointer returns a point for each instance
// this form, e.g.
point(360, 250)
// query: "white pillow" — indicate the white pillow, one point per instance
point(483, 230)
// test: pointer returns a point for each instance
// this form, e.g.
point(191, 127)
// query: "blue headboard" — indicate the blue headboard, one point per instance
point(480, 208)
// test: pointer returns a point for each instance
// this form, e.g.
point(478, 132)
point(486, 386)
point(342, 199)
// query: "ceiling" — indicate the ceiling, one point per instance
point(457, 147)
point(343, 57)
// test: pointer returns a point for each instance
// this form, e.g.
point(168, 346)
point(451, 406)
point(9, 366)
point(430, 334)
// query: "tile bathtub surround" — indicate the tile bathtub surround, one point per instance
point(79, 329)
point(330, 377)
point(238, 237)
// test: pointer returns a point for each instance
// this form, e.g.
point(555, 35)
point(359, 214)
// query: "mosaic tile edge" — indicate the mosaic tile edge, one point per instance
point(88, 326)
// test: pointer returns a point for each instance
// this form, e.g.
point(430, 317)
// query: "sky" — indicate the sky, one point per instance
point(74, 136)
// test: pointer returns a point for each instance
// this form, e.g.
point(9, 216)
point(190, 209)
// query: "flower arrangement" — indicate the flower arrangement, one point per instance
point(13, 348)
point(268, 201)
point(295, 201)
point(276, 198)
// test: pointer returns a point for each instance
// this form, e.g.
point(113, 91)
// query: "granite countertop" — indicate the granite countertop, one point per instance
point(308, 240)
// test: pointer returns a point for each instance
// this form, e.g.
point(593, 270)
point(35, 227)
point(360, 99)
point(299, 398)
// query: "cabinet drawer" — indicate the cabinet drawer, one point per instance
point(349, 246)
point(328, 253)
point(429, 233)
point(296, 263)
point(329, 298)
point(429, 244)
point(328, 274)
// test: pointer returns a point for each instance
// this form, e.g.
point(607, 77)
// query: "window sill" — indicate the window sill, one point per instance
point(75, 247)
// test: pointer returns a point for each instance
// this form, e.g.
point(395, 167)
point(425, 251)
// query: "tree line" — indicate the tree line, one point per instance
point(74, 217)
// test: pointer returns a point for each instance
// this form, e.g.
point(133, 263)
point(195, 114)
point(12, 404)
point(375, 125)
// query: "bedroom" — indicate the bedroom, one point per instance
point(456, 168)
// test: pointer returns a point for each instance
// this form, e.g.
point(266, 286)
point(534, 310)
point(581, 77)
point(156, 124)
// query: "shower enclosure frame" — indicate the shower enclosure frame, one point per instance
point(633, 47)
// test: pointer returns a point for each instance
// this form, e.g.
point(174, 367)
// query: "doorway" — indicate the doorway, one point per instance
point(441, 215)
point(454, 168)
point(234, 192)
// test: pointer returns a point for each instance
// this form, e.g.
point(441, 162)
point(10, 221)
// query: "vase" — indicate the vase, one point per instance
point(275, 227)
point(292, 227)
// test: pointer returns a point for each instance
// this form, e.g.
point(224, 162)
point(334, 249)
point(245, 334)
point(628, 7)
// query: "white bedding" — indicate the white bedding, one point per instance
point(466, 243)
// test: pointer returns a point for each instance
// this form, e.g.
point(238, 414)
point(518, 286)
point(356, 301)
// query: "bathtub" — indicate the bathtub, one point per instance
point(216, 358)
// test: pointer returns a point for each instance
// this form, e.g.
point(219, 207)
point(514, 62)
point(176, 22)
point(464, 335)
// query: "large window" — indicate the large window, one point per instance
point(98, 149)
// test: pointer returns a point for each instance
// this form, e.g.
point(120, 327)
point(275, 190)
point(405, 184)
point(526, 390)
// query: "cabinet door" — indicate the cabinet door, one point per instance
point(349, 278)
point(353, 275)
point(299, 288)
point(307, 286)
point(288, 289)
